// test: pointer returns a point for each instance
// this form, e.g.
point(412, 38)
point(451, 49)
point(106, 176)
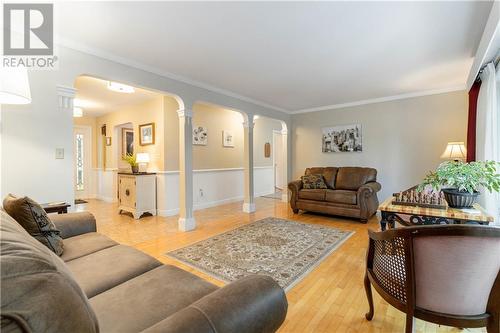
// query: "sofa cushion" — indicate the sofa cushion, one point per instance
point(33, 218)
point(341, 196)
point(352, 178)
point(329, 174)
point(314, 194)
point(148, 299)
point(85, 244)
point(105, 269)
point(313, 181)
point(38, 291)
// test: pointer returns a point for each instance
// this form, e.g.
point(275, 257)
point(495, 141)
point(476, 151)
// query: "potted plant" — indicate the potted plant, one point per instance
point(460, 181)
point(131, 159)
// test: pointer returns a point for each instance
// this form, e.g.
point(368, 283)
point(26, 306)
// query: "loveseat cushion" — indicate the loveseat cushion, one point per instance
point(148, 299)
point(33, 218)
point(352, 178)
point(38, 292)
point(85, 244)
point(105, 269)
point(341, 196)
point(329, 174)
point(315, 194)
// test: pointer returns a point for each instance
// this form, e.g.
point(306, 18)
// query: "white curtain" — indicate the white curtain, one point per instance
point(488, 131)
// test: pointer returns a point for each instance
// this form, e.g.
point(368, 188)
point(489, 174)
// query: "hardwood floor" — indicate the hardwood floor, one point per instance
point(330, 299)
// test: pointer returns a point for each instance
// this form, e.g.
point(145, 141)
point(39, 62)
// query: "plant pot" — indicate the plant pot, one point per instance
point(135, 169)
point(457, 199)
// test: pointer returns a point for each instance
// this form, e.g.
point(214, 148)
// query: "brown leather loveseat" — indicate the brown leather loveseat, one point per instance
point(351, 192)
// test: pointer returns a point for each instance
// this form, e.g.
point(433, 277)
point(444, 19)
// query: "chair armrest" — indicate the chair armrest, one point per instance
point(368, 189)
point(295, 186)
point(74, 224)
point(254, 304)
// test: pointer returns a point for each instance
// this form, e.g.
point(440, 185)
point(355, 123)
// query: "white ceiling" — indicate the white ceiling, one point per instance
point(292, 55)
point(93, 96)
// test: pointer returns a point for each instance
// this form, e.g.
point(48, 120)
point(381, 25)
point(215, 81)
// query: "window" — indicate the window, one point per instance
point(79, 162)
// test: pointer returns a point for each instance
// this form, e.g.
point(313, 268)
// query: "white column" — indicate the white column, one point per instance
point(186, 219)
point(284, 146)
point(249, 199)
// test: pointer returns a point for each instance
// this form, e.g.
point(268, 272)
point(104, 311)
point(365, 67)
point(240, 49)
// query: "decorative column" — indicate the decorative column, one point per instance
point(284, 146)
point(186, 219)
point(65, 97)
point(249, 199)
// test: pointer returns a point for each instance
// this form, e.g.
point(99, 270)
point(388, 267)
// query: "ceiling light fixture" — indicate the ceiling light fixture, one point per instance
point(119, 87)
point(77, 112)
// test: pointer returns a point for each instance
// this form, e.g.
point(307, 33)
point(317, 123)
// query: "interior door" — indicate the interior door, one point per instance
point(82, 137)
point(278, 160)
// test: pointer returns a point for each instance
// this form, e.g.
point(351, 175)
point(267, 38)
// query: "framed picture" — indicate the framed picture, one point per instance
point(200, 136)
point(108, 141)
point(267, 150)
point(147, 134)
point(227, 139)
point(345, 138)
point(127, 141)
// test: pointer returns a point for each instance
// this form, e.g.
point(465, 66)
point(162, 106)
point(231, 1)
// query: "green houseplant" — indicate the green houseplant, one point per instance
point(460, 181)
point(131, 159)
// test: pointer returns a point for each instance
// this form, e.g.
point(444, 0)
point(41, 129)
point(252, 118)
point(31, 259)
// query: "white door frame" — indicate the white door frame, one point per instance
point(275, 154)
point(87, 163)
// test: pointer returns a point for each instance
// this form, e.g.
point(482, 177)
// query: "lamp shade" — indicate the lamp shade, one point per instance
point(455, 151)
point(14, 86)
point(142, 158)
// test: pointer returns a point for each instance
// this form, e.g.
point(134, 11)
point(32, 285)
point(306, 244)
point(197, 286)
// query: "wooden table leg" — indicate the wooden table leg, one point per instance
point(383, 220)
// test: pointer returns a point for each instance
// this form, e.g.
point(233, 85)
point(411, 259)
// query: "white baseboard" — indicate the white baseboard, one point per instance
point(106, 199)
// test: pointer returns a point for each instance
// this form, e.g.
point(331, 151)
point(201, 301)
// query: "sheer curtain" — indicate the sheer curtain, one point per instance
point(488, 131)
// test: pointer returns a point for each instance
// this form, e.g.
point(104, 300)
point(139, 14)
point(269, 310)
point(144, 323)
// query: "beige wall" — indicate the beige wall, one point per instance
point(152, 111)
point(402, 139)
point(263, 132)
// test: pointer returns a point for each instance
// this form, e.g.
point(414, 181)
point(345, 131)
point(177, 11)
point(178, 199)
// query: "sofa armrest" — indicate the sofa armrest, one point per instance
point(368, 189)
point(295, 186)
point(74, 224)
point(254, 304)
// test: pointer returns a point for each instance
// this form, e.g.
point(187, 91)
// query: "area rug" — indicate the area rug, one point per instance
point(282, 249)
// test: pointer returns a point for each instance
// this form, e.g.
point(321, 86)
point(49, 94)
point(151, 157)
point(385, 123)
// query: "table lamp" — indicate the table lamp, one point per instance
point(143, 160)
point(455, 151)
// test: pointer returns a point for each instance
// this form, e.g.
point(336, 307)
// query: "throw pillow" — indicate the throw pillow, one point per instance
point(33, 218)
point(313, 181)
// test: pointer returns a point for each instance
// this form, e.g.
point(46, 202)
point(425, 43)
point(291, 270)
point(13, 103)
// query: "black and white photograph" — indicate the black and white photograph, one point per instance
point(343, 138)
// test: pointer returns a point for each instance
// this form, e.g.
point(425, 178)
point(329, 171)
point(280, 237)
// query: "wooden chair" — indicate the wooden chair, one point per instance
point(444, 274)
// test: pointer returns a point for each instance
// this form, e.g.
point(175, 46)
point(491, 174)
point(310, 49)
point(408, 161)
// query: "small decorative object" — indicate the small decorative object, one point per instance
point(132, 160)
point(127, 141)
point(346, 138)
point(460, 181)
point(455, 151)
point(267, 150)
point(108, 141)
point(424, 197)
point(147, 134)
point(200, 136)
point(142, 160)
point(227, 139)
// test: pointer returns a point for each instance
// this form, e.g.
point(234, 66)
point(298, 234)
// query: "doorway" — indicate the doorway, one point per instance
point(82, 159)
point(278, 160)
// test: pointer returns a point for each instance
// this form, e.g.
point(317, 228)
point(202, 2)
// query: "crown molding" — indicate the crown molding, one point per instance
point(382, 99)
point(132, 63)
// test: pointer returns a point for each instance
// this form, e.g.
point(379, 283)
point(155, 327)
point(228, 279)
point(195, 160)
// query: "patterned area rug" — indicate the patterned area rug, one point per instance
point(283, 249)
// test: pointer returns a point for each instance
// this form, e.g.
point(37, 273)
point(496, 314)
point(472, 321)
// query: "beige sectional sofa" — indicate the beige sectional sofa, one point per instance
point(100, 285)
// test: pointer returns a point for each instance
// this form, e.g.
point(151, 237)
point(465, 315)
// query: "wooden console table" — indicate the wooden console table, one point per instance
point(411, 215)
point(59, 208)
